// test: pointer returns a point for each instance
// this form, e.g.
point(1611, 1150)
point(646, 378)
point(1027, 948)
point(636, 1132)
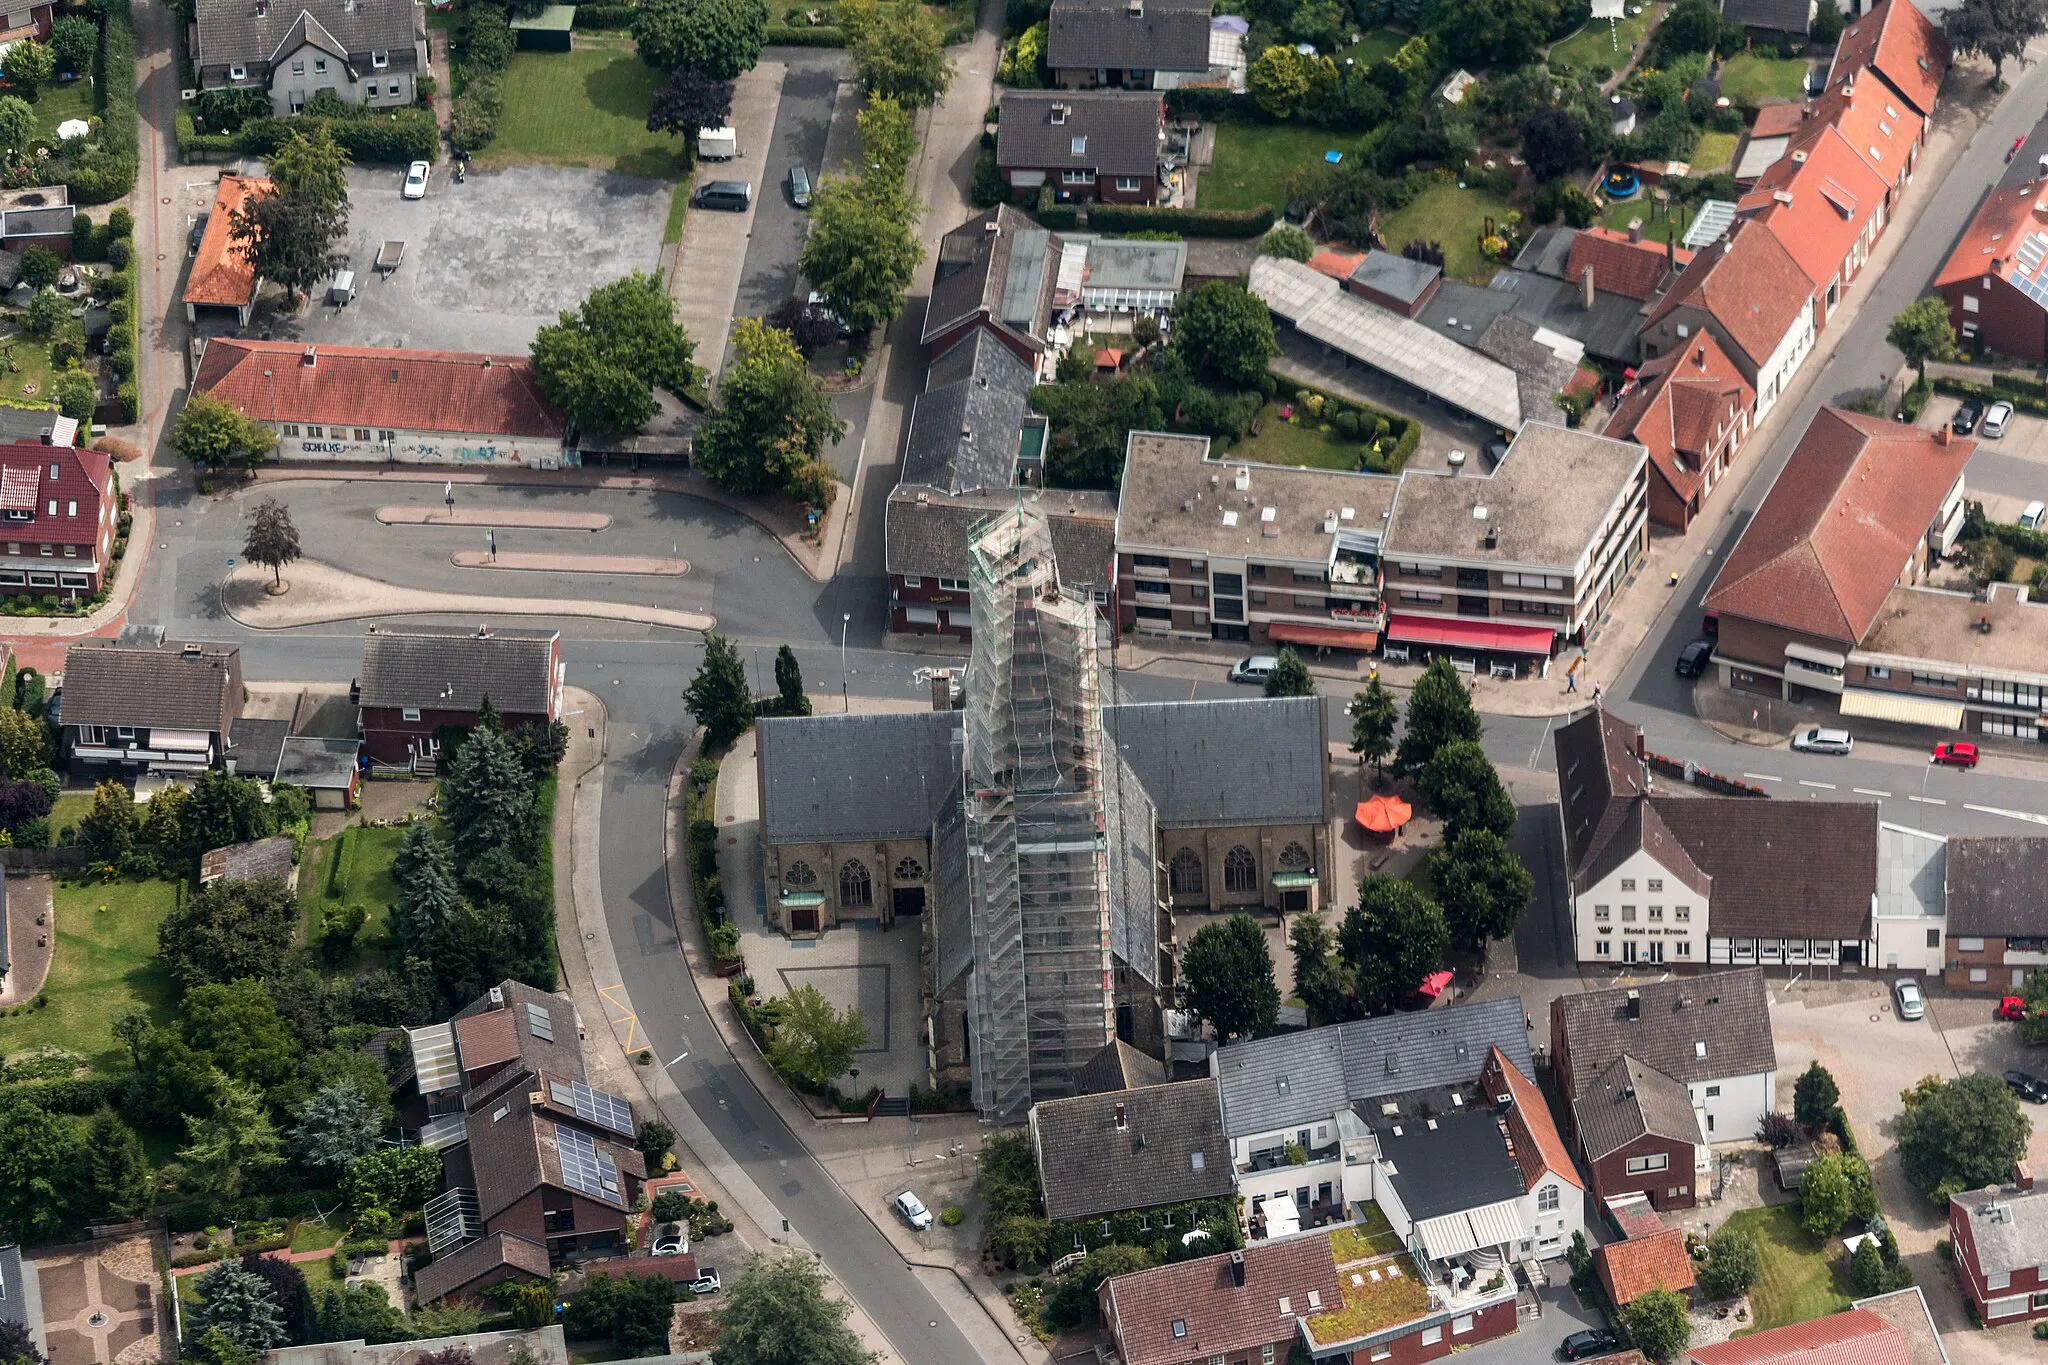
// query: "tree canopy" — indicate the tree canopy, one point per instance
point(1922, 332)
point(814, 1043)
point(1814, 1095)
point(1221, 329)
point(229, 930)
point(1995, 30)
point(1656, 1322)
point(602, 363)
point(1462, 787)
point(42, 1164)
point(1320, 977)
point(687, 101)
point(293, 235)
point(773, 422)
point(720, 38)
point(1392, 938)
point(861, 252)
point(898, 52)
point(776, 1313)
point(1962, 1134)
point(1228, 974)
point(272, 540)
point(239, 1305)
point(1439, 711)
point(1374, 714)
point(1290, 676)
point(1482, 887)
point(718, 697)
point(215, 431)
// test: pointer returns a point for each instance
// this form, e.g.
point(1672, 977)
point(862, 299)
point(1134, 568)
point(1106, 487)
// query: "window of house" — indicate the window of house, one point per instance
point(1423, 570)
point(1628, 883)
point(911, 580)
point(1656, 914)
point(394, 87)
point(71, 552)
point(124, 732)
point(1077, 177)
point(298, 66)
point(1628, 914)
point(71, 507)
point(1934, 938)
point(1432, 1335)
point(362, 433)
point(2000, 1280)
point(1979, 974)
point(1258, 598)
point(380, 59)
point(1712, 1091)
point(799, 873)
point(953, 584)
point(1604, 948)
point(1682, 913)
point(1684, 947)
point(1266, 1354)
point(1127, 183)
point(53, 507)
point(290, 428)
point(1180, 1325)
point(387, 436)
point(1411, 595)
point(1240, 870)
point(14, 547)
point(410, 713)
point(1970, 945)
point(1461, 1324)
point(1657, 1161)
point(1877, 671)
point(319, 66)
point(1380, 1353)
point(49, 549)
point(236, 73)
point(1199, 593)
point(1969, 303)
point(1656, 884)
point(313, 432)
point(1602, 912)
point(1147, 588)
point(1547, 1199)
point(855, 887)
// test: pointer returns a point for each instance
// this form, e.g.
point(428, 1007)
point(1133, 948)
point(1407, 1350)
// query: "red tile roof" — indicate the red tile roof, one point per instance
point(1539, 1151)
point(1337, 264)
point(1881, 127)
point(1680, 408)
point(1753, 287)
point(220, 276)
point(1635, 1217)
point(1899, 43)
point(1780, 120)
point(370, 386)
point(1857, 1337)
point(1818, 204)
point(1216, 1316)
point(1638, 1265)
point(82, 477)
point(1620, 266)
point(1848, 511)
point(487, 1039)
point(1990, 244)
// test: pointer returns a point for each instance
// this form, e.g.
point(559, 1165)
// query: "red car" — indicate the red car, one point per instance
point(1959, 754)
point(2012, 1007)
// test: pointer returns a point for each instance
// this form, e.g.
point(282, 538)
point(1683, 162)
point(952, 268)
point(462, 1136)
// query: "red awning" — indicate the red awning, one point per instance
point(1483, 635)
point(1324, 635)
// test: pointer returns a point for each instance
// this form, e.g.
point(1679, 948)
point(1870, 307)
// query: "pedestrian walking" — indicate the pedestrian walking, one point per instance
point(1571, 681)
point(1596, 694)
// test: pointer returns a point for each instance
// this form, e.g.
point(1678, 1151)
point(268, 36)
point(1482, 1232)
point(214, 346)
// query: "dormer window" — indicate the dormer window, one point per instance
point(55, 471)
point(1080, 145)
point(238, 73)
point(380, 60)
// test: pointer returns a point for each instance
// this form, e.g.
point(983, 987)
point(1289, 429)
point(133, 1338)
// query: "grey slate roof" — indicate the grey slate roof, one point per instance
point(1272, 1083)
point(927, 532)
point(1165, 35)
point(964, 426)
point(1110, 132)
point(1607, 330)
point(239, 32)
point(2013, 1238)
point(1463, 1162)
point(1170, 1149)
point(155, 688)
point(1994, 887)
point(15, 1305)
point(1118, 1066)
point(254, 744)
point(1629, 1100)
point(1254, 761)
point(418, 665)
point(27, 424)
point(826, 778)
point(312, 761)
point(1540, 373)
point(952, 921)
point(1464, 311)
point(1394, 275)
point(999, 263)
point(1779, 16)
point(1693, 1028)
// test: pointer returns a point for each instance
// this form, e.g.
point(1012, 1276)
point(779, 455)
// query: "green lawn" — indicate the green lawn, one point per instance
point(1375, 44)
point(57, 103)
point(1454, 218)
point(1660, 222)
point(1748, 79)
point(105, 966)
point(1253, 161)
point(1715, 151)
point(584, 108)
point(1297, 443)
point(678, 209)
point(365, 877)
point(71, 807)
point(1603, 42)
point(1798, 1281)
point(26, 363)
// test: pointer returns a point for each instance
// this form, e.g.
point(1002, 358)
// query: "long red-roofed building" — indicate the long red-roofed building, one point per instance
point(1900, 44)
point(1995, 282)
point(1828, 207)
point(371, 403)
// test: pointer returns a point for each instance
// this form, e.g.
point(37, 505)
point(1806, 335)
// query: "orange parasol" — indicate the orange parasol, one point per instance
point(1383, 814)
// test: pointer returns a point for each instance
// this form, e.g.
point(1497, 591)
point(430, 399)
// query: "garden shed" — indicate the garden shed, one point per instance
point(547, 31)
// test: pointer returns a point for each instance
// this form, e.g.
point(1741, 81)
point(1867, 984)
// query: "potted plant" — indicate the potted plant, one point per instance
point(725, 948)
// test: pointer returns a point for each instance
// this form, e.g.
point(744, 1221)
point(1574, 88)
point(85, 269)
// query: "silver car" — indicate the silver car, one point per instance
point(1906, 993)
point(1815, 740)
point(1994, 422)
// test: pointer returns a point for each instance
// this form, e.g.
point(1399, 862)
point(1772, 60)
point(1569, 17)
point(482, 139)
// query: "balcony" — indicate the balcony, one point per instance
point(1275, 1158)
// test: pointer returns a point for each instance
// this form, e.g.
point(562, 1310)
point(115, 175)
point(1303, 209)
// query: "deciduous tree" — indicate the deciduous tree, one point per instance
point(17, 125)
point(814, 1043)
point(107, 831)
point(42, 1170)
point(1287, 242)
point(228, 931)
point(293, 235)
point(1824, 1196)
point(44, 315)
point(1554, 141)
point(1483, 888)
point(1733, 1264)
point(28, 66)
point(72, 42)
point(212, 430)
point(1392, 938)
point(1221, 329)
point(1964, 1134)
point(1501, 34)
point(1439, 711)
point(1290, 676)
point(1994, 29)
point(1228, 973)
point(24, 743)
point(721, 38)
point(776, 1313)
point(1921, 332)
point(1460, 784)
point(1692, 26)
point(861, 252)
point(1656, 1322)
point(687, 101)
point(236, 1026)
point(898, 52)
point(773, 421)
point(1374, 715)
point(272, 541)
point(602, 363)
point(397, 1179)
point(718, 696)
point(1320, 978)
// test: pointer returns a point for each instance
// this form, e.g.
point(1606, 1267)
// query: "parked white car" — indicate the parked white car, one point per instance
point(416, 181)
point(1906, 992)
point(911, 1210)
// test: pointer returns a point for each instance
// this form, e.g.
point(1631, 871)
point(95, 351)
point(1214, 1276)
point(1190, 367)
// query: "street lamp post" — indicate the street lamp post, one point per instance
point(845, 621)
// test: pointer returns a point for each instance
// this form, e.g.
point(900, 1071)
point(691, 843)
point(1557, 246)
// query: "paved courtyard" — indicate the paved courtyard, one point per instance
point(100, 1303)
point(487, 262)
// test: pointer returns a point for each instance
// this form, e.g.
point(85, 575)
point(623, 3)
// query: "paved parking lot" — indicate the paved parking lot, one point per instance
point(487, 262)
point(2004, 474)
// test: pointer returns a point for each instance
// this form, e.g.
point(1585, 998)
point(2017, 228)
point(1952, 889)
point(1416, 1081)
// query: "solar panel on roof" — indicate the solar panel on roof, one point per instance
point(597, 1106)
point(540, 1023)
point(587, 1168)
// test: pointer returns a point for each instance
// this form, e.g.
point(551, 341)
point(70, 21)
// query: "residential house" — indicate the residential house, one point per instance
point(60, 516)
point(48, 226)
point(371, 403)
point(161, 710)
point(1131, 44)
point(1639, 1134)
point(1319, 309)
point(1775, 16)
point(29, 21)
point(1211, 549)
point(1769, 136)
point(998, 272)
point(1519, 562)
point(1090, 146)
point(329, 769)
point(968, 429)
point(1709, 1035)
point(1128, 1151)
point(926, 537)
point(2000, 1239)
point(476, 1266)
point(1910, 915)
point(221, 278)
point(1884, 130)
point(1956, 662)
point(1827, 205)
point(1395, 282)
point(367, 52)
point(1617, 262)
point(37, 426)
point(1690, 408)
point(1862, 1333)
point(1901, 46)
point(1862, 506)
point(417, 682)
point(1676, 881)
point(1993, 282)
point(541, 1346)
point(1632, 1267)
point(1242, 1306)
point(1748, 290)
point(1997, 929)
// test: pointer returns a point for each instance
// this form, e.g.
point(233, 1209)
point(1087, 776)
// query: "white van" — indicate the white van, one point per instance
point(717, 144)
point(1256, 669)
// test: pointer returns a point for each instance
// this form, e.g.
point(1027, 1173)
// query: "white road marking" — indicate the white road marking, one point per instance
point(2028, 816)
point(1826, 786)
point(1868, 791)
point(1762, 777)
point(678, 1057)
point(1928, 800)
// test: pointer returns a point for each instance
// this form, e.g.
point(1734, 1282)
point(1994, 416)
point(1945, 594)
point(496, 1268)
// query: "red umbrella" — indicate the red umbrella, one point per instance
point(1383, 814)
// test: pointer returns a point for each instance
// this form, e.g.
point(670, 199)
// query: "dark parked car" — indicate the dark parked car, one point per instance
point(1692, 660)
point(1965, 420)
point(2027, 1087)
point(1585, 1345)
point(198, 231)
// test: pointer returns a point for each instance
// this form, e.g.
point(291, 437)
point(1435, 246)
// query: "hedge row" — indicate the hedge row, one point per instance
point(2028, 399)
point(1211, 104)
point(604, 16)
point(108, 173)
point(1187, 222)
point(486, 50)
point(394, 139)
point(70, 1095)
point(124, 352)
point(825, 35)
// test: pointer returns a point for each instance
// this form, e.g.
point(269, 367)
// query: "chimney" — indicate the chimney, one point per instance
point(1635, 229)
point(487, 362)
point(1237, 1269)
point(309, 357)
point(1123, 1119)
point(1983, 623)
point(1945, 433)
point(1586, 288)
point(1136, 9)
point(1699, 357)
point(1635, 1005)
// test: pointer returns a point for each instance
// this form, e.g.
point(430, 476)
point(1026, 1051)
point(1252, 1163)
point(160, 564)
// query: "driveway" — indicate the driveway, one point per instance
point(810, 87)
point(487, 262)
point(2005, 474)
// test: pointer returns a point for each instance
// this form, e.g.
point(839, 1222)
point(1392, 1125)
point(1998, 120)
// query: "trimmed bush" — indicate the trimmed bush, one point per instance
point(1187, 222)
point(824, 35)
point(1212, 104)
point(398, 138)
point(604, 16)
